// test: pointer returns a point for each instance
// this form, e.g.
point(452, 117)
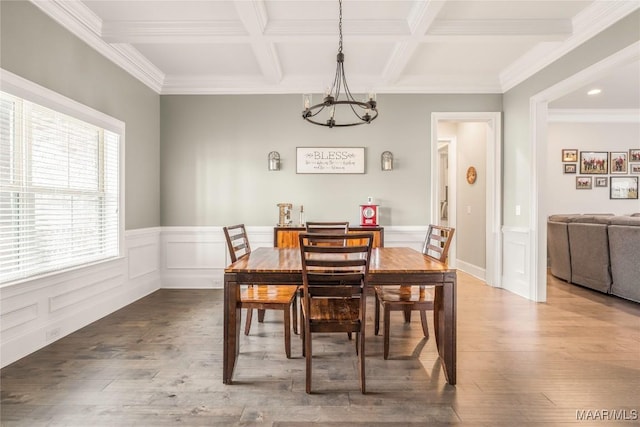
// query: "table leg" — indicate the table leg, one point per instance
point(445, 326)
point(231, 338)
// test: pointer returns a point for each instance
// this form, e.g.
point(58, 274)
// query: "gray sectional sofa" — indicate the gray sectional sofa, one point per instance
point(600, 252)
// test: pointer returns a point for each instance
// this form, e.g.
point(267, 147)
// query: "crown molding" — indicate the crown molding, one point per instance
point(596, 18)
point(565, 115)
point(83, 23)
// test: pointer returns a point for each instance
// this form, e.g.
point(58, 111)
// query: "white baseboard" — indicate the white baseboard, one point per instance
point(471, 269)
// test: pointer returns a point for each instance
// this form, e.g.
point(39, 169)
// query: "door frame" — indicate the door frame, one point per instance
point(493, 226)
point(538, 107)
point(452, 155)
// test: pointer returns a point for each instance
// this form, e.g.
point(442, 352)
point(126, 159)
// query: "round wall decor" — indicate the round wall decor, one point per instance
point(471, 175)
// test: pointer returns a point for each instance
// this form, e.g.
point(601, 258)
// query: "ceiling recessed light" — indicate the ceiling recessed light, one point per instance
point(594, 92)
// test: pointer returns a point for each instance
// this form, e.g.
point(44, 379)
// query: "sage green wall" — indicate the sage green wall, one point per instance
point(517, 127)
point(214, 159)
point(38, 49)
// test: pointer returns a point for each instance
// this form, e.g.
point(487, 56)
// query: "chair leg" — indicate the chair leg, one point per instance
point(247, 324)
point(407, 314)
point(425, 326)
point(376, 326)
point(363, 387)
point(294, 312)
point(300, 326)
point(303, 334)
point(387, 323)
point(307, 350)
point(287, 332)
point(261, 315)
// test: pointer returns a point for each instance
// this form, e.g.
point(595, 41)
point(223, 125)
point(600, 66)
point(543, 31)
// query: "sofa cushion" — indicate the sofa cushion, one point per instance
point(558, 250)
point(589, 247)
point(592, 219)
point(624, 245)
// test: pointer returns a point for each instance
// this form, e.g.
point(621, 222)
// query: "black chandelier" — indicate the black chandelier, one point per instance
point(363, 111)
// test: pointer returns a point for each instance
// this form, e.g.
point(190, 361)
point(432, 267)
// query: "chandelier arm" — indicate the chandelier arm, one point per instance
point(332, 98)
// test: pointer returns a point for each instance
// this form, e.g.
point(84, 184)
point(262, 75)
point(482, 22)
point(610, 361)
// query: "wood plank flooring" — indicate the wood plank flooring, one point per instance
point(158, 362)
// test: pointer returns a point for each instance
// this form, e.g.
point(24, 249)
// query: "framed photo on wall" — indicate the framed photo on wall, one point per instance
point(570, 168)
point(594, 162)
point(583, 182)
point(569, 155)
point(634, 155)
point(634, 168)
point(623, 187)
point(618, 161)
point(601, 181)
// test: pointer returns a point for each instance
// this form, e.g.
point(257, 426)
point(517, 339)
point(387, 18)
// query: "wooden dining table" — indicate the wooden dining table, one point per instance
point(389, 266)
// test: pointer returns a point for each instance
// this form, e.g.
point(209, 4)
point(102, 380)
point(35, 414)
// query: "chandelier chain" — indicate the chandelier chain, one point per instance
point(340, 27)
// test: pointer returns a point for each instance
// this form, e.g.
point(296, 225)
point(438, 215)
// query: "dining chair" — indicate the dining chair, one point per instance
point(262, 297)
point(334, 280)
point(327, 227)
point(408, 298)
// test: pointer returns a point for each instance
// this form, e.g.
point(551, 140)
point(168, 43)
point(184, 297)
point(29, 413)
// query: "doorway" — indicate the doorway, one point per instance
point(539, 119)
point(464, 216)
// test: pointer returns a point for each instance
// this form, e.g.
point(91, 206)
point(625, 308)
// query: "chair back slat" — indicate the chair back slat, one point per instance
point(237, 241)
point(339, 265)
point(436, 244)
point(330, 227)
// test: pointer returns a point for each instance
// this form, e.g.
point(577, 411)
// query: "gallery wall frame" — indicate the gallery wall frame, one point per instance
point(618, 161)
point(623, 187)
point(584, 182)
point(594, 162)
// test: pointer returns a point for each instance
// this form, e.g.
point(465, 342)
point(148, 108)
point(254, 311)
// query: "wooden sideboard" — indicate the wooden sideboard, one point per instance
point(287, 237)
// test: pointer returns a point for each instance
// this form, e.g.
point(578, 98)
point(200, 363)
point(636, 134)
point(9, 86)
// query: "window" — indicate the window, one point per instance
point(59, 188)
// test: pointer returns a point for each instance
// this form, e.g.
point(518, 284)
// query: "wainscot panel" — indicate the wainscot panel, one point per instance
point(516, 268)
point(36, 312)
point(203, 255)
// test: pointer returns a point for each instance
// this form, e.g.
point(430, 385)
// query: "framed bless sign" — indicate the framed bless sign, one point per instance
point(330, 160)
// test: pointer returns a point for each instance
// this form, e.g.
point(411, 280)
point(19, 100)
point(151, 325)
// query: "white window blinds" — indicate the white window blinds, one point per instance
point(59, 190)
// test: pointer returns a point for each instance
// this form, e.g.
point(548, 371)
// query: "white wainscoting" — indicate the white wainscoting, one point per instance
point(37, 312)
point(516, 265)
point(195, 257)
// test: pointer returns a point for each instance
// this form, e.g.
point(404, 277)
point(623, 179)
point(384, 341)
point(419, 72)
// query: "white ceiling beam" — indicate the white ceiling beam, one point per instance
point(421, 19)
point(253, 15)
point(167, 32)
point(503, 27)
point(229, 85)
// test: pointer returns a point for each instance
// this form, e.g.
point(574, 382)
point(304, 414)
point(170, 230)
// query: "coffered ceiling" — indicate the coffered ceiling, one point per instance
point(279, 46)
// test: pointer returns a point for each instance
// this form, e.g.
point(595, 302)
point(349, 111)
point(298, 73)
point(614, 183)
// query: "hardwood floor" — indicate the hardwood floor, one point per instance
point(158, 362)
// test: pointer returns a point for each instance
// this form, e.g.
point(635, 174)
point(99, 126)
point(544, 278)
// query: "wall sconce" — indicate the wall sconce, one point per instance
point(386, 160)
point(274, 161)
